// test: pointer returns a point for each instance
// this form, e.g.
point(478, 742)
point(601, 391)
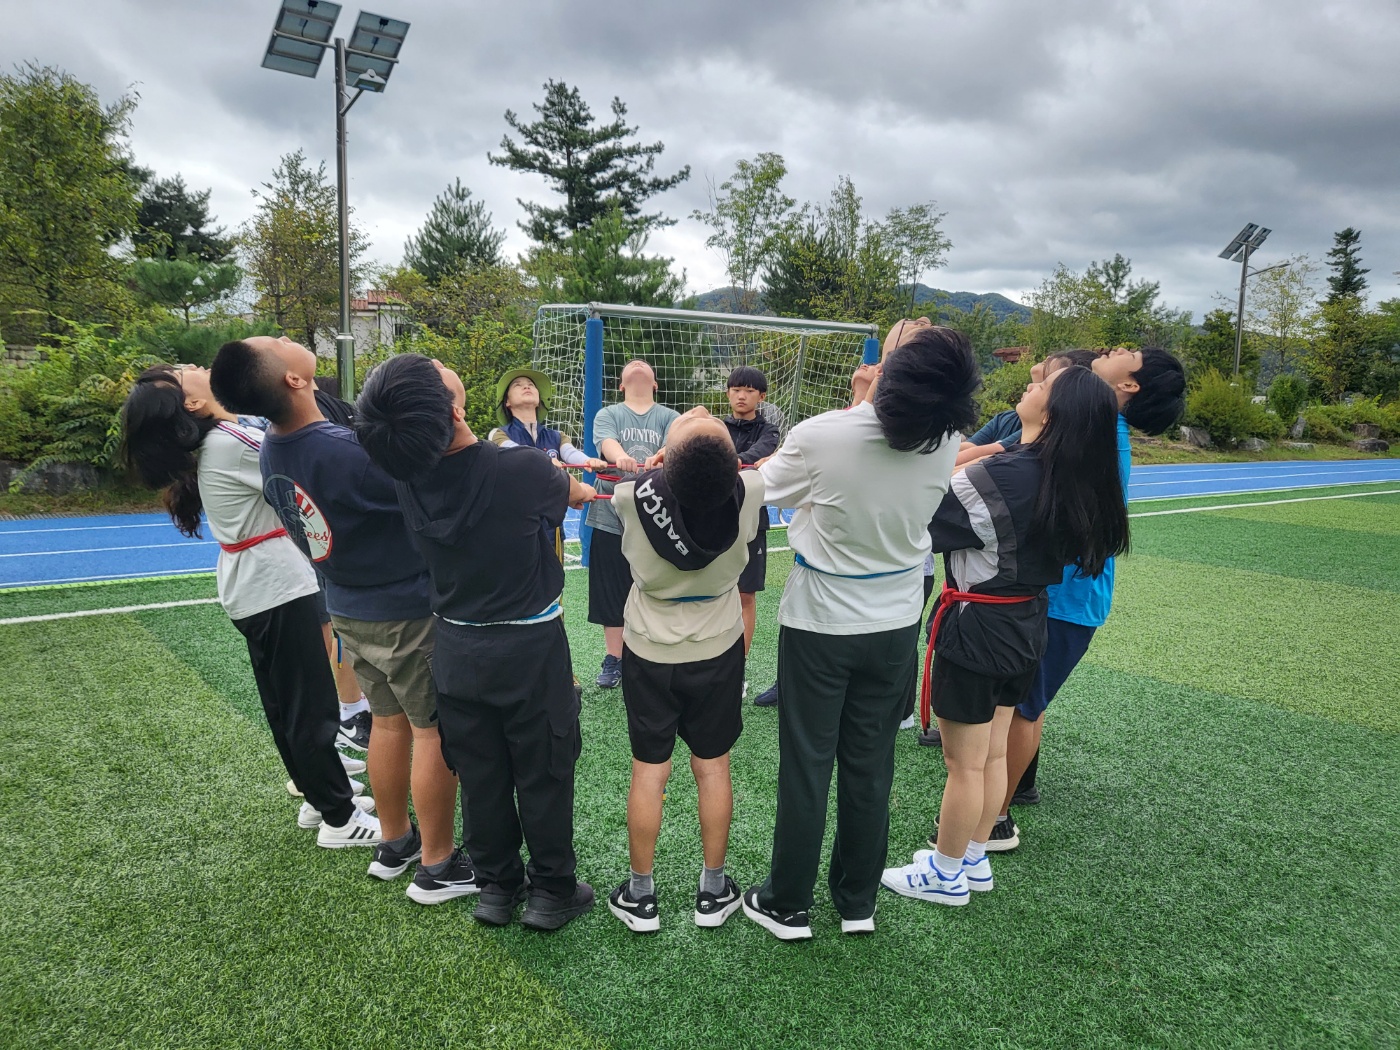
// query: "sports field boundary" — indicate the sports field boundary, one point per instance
point(157, 606)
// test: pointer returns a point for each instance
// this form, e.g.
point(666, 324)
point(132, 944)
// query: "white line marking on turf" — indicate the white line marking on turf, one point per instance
point(1251, 492)
point(1261, 503)
point(103, 550)
point(116, 577)
point(771, 550)
point(89, 528)
point(106, 612)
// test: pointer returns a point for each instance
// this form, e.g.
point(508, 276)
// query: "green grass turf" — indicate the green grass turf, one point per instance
point(1215, 863)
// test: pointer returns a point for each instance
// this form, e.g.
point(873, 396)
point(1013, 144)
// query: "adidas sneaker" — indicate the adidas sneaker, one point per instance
point(922, 881)
point(360, 830)
point(310, 817)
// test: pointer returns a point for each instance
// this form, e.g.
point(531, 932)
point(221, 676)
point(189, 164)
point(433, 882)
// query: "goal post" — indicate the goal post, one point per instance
point(582, 348)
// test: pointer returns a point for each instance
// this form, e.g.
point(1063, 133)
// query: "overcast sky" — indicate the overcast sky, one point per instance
point(1049, 132)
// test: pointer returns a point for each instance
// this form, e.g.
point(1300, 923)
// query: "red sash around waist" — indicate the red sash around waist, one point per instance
point(948, 598)
point(251, 541)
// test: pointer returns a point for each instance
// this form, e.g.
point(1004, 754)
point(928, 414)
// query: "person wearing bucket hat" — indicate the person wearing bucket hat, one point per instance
point(522, 398)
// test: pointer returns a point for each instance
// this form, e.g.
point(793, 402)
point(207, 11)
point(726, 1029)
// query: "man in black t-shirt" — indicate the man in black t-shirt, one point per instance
point(484, 518)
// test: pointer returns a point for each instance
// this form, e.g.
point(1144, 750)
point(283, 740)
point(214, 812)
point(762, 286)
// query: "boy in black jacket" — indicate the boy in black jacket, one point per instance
point(754, 438)
point(483, 519)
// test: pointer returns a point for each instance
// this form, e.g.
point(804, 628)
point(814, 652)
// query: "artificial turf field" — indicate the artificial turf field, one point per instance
point(1216, 862)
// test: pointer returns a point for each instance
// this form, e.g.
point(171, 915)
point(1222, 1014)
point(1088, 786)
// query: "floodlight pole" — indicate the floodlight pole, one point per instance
point(345, 339)
point(1239, 315)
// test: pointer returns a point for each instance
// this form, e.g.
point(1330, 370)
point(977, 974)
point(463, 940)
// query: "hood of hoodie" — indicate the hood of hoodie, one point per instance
point(454, 496)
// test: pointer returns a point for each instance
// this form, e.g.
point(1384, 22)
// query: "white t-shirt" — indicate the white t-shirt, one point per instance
point(862, 510)
point(270, 573)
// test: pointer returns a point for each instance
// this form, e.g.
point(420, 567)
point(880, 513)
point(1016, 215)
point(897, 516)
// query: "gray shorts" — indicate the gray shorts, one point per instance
point(393, 664)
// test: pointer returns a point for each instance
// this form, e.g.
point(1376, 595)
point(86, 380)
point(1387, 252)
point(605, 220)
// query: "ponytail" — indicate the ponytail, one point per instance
point(160, 442)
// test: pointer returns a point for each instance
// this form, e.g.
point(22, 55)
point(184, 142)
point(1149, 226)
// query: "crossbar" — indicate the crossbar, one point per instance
point(712, 317)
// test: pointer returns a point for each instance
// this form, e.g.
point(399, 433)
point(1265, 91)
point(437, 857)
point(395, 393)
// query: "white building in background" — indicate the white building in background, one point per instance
point(375, 319)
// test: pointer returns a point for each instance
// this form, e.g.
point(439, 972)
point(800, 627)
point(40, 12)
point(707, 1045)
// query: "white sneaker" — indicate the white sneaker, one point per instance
point(352, 765)
point(360, 830)
point(912, 722)
point(744, 694)
point(357, 788)
point(308, 817)
point(922, 881)
point(979, 875)
point(858, 925)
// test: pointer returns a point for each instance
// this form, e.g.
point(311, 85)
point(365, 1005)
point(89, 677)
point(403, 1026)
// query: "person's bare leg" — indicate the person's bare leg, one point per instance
point(390, 752)
point(612, 638)
point(1022, 742)
point(716, 801)
point(965, 750)
point(994, 775)
point(346, 687)
point(644, 812)
point(434, 796)
point(748, 606)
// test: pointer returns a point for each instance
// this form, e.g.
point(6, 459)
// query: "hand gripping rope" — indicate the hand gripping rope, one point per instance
point(623, 476)
point(948, 598)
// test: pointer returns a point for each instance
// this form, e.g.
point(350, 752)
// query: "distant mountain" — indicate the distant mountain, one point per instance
point(1000, 305)
point(721, 300)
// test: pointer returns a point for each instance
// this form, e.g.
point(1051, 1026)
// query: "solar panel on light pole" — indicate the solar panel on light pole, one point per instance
point(1239, 250)
point(300, 37)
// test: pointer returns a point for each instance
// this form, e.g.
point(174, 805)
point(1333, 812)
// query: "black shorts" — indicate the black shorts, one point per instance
point(960, 695)
point(755, 574)
point(609, 579)
point(703, 702)
point(323, 614)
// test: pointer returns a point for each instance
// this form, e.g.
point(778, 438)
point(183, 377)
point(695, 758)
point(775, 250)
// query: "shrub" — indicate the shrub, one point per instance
point(1002, 388)
point(1223, 410)
point(1320, 425)
point(64, 409)
point(1287, 396)
point(1390, 420)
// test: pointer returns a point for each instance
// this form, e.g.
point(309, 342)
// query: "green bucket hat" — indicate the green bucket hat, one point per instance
point(542, 383)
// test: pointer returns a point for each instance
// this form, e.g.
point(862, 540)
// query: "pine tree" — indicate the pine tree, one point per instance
point(592, 167)
point(173, 222)
point(1348, 275)
point(457, 235)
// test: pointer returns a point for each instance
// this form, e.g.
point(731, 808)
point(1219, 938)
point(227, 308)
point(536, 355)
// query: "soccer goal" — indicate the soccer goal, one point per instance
point(582, 348)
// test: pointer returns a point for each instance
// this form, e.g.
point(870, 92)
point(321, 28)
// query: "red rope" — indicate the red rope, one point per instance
point(252, 541)
point(948, 598)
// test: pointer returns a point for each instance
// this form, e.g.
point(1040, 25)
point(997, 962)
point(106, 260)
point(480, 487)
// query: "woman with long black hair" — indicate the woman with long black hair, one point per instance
point(1008, 526)
point(177, 437)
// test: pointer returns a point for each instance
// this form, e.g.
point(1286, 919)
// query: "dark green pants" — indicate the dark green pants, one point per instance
point(842, 697)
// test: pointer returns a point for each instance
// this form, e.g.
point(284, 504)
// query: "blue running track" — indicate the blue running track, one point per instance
point(134, 546)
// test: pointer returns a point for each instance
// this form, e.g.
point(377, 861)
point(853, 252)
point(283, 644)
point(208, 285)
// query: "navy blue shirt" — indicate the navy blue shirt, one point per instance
point(1004, 428)
point(343, 512)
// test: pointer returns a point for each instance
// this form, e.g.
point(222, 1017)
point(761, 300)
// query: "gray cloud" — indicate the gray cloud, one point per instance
point(1048, 132)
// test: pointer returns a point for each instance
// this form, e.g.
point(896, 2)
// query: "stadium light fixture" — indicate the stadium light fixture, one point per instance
point(1239, 250)
point(300, 37)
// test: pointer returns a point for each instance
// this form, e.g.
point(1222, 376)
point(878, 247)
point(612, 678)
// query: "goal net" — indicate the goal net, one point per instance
point(808, 364)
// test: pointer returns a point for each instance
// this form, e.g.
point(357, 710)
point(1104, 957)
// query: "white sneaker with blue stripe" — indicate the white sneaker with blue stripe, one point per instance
point(979, 874)
point(922, 881)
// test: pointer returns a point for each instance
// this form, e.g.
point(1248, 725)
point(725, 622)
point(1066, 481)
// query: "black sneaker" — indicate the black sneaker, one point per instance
point(610, 675)
point(544, 911)
point(639, 914)
point(1029, 797)
point(767, 698)
point(458, 879)
point(792, 927)
point(711, 909)
point(496, 906)
point(1003, 839)
point(354, 732)
point(391, 861)
point(931, 738)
